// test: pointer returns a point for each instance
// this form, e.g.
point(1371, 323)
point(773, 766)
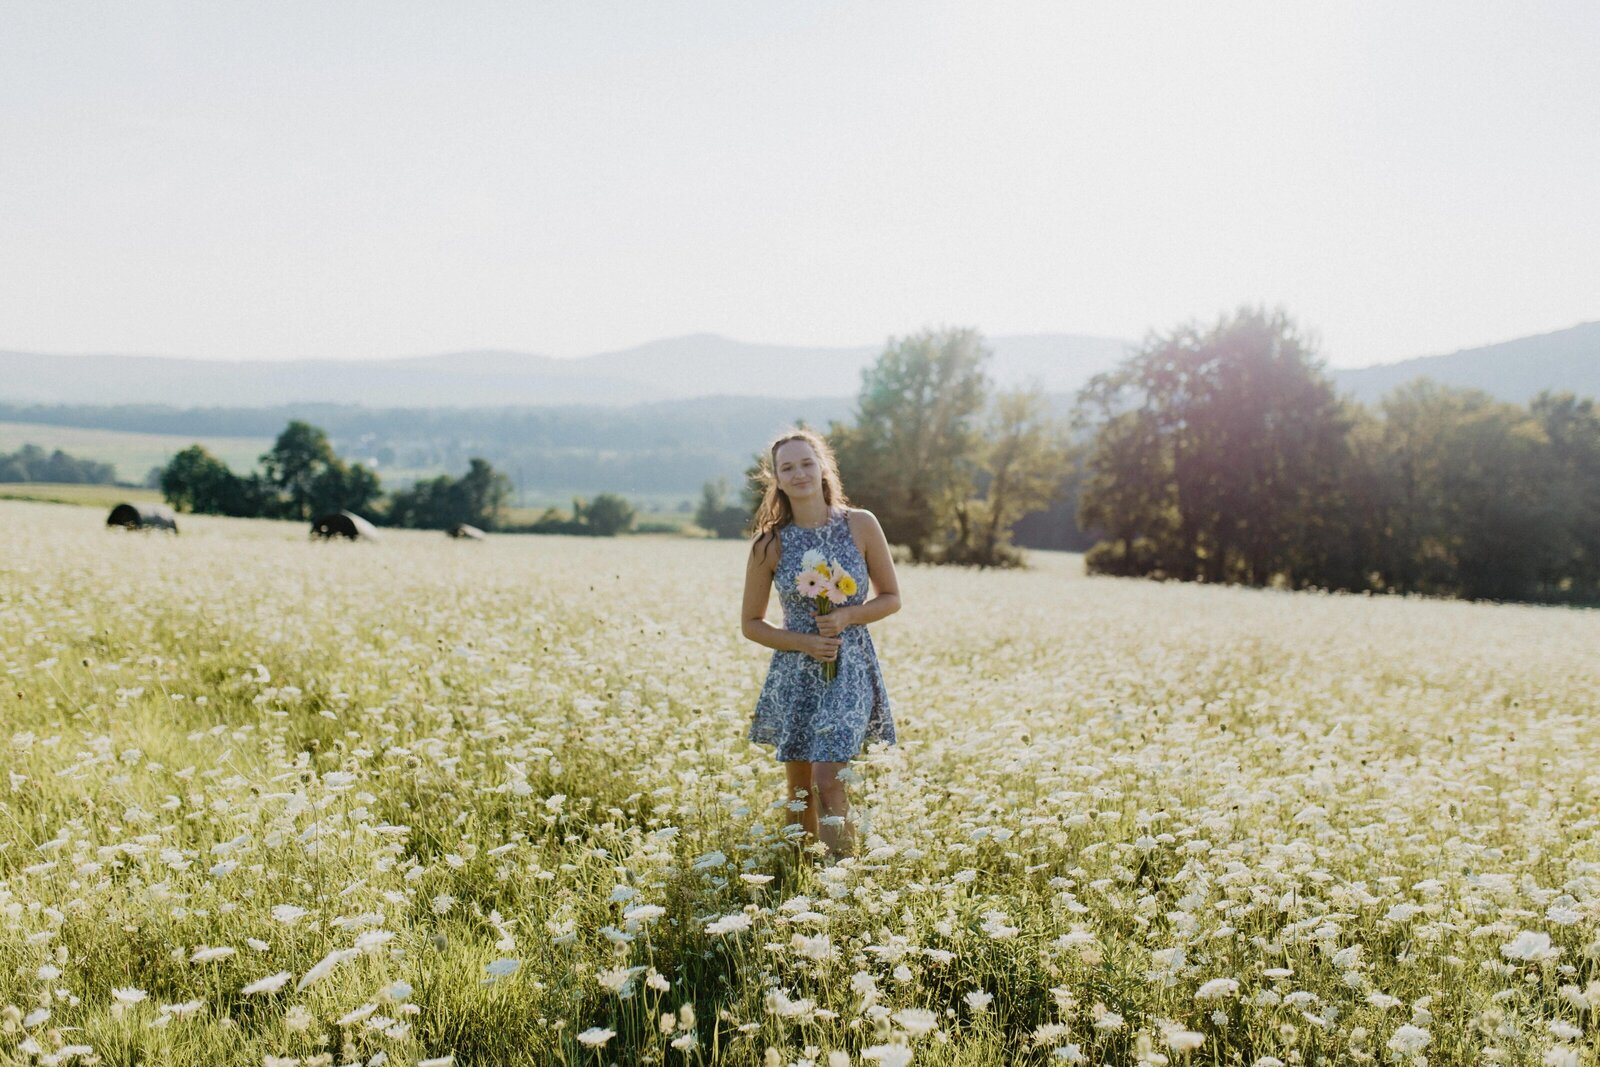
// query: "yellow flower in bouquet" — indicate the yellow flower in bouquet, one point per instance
point(827, 583)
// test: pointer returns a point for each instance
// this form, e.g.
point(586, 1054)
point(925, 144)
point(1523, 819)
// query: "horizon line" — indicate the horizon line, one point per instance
point(707, 334)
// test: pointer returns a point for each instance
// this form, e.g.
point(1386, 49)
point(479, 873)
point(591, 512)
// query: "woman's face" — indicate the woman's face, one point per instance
point(799, 474)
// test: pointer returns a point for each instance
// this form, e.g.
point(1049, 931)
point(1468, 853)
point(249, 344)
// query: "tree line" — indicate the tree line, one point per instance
point(948, 465)
point(302, 477)
point(30, 463)
point(1221, 453)
point(661, 448)
point(1224, 454)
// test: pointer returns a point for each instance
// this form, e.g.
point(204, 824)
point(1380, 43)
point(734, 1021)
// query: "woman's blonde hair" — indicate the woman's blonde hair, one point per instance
point(775, 513)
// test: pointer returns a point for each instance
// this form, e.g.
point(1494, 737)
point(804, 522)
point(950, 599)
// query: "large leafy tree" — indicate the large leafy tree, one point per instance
point(298, 459)
point(1220, 450)
point(312, 479)
point(910, 455)
point(195, 480)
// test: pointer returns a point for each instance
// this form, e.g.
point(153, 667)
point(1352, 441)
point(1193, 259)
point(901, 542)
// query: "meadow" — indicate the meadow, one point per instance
point(92, 496)
point(264, 801)
point(132, 454)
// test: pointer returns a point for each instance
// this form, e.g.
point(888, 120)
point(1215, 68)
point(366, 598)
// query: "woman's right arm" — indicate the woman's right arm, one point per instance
point(757, 590)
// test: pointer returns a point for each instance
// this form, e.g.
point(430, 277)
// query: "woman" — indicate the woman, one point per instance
point(817, 725)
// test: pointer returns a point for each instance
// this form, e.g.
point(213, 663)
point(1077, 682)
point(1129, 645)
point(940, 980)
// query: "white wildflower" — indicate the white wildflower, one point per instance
point(888, 1055)
point(729, 924)
point(324, 967)
point(1217, 989)
point(641, 915)
point(917, 1022)
point(779, 1004)
point(270, 984)
point(1409, 1040)
point(1529, 946)
point(206, 954)
point(596, 1036)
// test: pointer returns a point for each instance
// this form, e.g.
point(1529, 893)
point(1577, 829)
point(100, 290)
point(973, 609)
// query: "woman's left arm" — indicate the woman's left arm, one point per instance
point(884, 584)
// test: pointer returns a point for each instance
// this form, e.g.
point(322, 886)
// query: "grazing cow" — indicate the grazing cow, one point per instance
point(143, 517)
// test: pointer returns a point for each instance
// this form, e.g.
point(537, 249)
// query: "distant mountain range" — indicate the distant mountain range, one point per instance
point(699, 365)
point(673, 369)
point(1563, 361)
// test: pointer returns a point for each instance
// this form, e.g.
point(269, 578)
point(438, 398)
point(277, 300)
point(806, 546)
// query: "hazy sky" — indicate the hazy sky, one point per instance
point(354, 179)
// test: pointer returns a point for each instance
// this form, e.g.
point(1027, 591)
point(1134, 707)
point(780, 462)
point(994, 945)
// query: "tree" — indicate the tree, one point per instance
point(1218, 451)
point(909, 457)
point(724, 520)
point(1127, 491)
point(344, 487)
point(477, 498)
point(299, 459)
point(1572, 427)
point(1344, 541)
point(1022, 458)
point(606, 515)
point(484, 493)
point(195, 480)
point(421, 506)
point(313, 480)
point(30, 463)
point(1473, 498)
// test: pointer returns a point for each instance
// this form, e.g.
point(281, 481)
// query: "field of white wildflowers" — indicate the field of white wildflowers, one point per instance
point(418, 802)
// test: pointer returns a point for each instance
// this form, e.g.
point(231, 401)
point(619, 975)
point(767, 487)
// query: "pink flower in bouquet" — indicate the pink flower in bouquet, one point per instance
point(810, 583)
point(834, 594)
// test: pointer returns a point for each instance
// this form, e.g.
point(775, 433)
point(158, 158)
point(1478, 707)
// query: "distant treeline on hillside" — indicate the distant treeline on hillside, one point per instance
point(30, 463)
point(302, 477)
point(669, 448)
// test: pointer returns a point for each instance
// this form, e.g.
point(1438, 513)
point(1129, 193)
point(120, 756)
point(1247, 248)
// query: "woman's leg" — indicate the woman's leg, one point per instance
point(802, 790)
point(839, 835)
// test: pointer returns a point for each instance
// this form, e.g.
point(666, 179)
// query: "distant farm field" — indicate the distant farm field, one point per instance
point(98, 496)
point(133, 454)
point(418, 801)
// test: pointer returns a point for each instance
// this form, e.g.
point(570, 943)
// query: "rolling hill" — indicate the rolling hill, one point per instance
point(672, 369)
point(698, 365)
point(1563, 361)
point(655, 420)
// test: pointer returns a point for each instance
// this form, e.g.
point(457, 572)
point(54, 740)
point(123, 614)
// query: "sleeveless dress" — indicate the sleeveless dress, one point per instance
point(803, 715)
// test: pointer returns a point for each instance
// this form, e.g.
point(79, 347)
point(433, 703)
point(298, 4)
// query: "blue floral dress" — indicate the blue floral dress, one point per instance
point(805, 716)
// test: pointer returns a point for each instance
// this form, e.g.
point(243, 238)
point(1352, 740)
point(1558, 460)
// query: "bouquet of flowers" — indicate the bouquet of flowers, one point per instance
point(824, 581)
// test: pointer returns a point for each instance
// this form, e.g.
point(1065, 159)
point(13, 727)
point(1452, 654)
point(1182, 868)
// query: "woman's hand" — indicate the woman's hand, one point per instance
point(834, 622)
point(820, 648)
